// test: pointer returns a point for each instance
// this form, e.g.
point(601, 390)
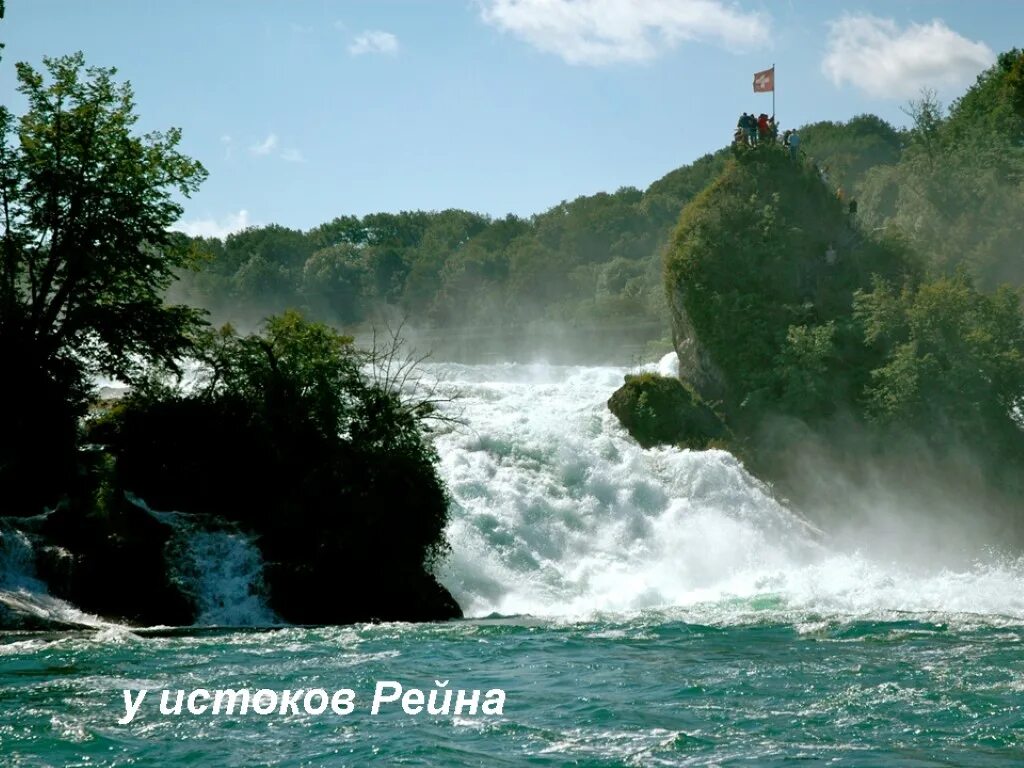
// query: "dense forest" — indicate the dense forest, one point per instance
point(949, 185)
point(590, 262)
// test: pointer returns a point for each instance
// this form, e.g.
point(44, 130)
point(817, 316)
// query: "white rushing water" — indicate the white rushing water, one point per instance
point(219, 567)
point(224, 570)
point(558, 512)
point(25, 595)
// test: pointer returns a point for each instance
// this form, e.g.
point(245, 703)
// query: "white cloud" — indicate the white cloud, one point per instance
point(266, 146)
point(881, 59)
point(599, 32)
point(233, 222)
point(374, 41)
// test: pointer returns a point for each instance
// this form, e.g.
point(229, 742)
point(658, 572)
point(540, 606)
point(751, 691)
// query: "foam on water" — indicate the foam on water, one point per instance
point(558, 512)
point(24, 594)
point(225, 570)
point(220, 567)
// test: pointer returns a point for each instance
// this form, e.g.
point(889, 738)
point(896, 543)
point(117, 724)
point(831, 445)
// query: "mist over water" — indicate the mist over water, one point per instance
point(558, 512)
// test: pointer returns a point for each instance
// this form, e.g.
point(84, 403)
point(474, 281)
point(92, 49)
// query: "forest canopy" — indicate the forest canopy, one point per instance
point(949, 185)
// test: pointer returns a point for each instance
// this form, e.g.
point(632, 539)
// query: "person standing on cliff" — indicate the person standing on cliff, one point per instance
point(794, 145)
point(751, 129)
point(762, 127)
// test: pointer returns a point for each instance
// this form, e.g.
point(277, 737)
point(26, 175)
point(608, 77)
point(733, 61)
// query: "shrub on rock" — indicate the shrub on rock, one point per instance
point(659, 410)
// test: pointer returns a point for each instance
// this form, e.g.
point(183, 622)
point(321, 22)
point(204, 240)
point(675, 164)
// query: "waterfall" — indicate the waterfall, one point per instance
point(24, 599)
point(558, 512)
point(218, 566)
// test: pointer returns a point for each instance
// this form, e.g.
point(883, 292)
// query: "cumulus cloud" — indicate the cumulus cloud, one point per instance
point(600, 32)
point(266, 146)
point(233, 222)
point(881, 59)
point(373, 41)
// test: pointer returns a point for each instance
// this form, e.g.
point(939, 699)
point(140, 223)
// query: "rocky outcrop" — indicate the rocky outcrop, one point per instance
point(343, 531)
point(112, 564)
point(380, 592)
point(764, 265)
point(658, 410)
point(696, 366)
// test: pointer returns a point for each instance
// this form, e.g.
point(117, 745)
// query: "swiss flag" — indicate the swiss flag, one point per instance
point(764, 81)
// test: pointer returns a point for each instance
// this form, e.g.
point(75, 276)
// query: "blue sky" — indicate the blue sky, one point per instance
point(309, 109)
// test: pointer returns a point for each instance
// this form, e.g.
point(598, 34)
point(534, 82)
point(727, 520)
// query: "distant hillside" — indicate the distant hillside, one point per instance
point(590, 262)
point(949, 186)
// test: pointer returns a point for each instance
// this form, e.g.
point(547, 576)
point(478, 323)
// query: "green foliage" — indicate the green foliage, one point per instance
point(288, 432)
point(955, 359)
point(87, 253)
point(957, 192)
point(333, 281)
point(806, 371)
point(293, 370)
point(591, 261)
point(658, 410)
point(786, 309)
point(748, 270)
point(994, 105)
point(86, 258)
point(849, 150)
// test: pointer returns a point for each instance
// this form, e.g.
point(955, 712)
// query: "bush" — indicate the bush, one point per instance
point(658, 410)
point(750, 283)
point(287, 434)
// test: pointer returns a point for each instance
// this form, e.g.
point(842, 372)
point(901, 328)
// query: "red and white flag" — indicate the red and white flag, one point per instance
point(764, 81)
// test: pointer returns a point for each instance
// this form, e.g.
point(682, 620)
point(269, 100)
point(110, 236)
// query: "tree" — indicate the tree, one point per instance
point(955, 361)
point(86, 204)
point(926, 112)
point(333, 280)
point(317, 447)
point(957, 192)
point(994, 105)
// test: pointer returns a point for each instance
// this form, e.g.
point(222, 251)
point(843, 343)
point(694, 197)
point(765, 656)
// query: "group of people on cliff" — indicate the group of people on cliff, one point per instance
point(753, 131)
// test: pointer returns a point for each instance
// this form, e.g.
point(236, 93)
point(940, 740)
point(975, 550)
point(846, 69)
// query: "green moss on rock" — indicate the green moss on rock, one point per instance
point(761, 276)
point(658, 410)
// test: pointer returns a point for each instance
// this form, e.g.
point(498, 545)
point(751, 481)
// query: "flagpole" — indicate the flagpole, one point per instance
point(773, 90)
